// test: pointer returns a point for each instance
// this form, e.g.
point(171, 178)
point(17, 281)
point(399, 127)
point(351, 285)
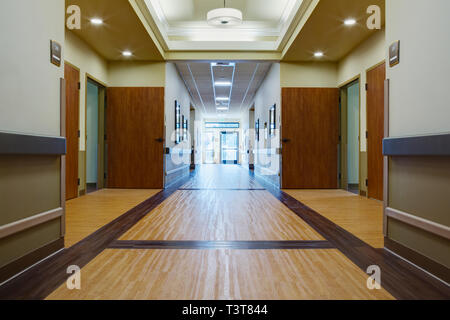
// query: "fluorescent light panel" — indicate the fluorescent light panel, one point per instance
point(223, 83)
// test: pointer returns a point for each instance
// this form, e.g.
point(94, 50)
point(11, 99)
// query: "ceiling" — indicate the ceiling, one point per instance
point(247, 78)
point(181, 24)
point(325, 30)
point(122, 30)
point(287, 30)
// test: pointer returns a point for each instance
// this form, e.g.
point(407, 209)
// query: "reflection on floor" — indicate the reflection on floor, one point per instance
point(221, 215)
point(219, 203)
point(87, 214)
point(361, 216)
point(213, 176)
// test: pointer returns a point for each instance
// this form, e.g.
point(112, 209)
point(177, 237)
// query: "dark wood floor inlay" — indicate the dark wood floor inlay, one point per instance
point(399, 278)
point(42, 279)
point(223, 189)
point(202, 245)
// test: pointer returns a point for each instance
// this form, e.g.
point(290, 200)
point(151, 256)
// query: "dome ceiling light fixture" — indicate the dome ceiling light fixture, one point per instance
point(224, 16)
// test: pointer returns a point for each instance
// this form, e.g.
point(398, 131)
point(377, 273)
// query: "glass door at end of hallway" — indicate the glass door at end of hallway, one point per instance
point(229, 145)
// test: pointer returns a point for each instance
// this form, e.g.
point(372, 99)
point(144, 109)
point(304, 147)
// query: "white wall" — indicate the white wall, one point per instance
point(82, 56)
point(419, 100)
point(369, 53)
point(175, 90)
point(29, 83)
point(267, 95)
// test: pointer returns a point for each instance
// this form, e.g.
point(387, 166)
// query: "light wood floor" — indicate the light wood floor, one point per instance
point(221, 274)
point(212, 176)
point(358, 215)
point(87, 214)
point(223, 215)
point(226, 212)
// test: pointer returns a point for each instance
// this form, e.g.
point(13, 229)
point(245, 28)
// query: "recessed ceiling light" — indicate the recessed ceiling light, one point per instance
point(97, 21)
point(127, 54)
point(224, 17)
point(222, 98)
point(318, 54)
point(222, 108)
point(222, 83)
point(350, 22)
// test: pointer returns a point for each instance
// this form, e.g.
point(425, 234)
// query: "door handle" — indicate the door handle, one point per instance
point(159, 140)
point(286, 140)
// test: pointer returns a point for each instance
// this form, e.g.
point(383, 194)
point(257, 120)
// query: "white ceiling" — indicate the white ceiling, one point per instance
point(198, 77)
point(182, 24)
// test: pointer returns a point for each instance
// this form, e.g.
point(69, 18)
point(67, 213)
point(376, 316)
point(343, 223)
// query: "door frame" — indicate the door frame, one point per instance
point(101, 181)
point(237, 148)
point(367, 121)
point(79, 129)
point(343, 151)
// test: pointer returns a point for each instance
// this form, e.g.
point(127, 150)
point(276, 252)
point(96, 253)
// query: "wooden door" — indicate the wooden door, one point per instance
point(310, 136)
point(72, 77)
point(375, 129)
point(135, 132)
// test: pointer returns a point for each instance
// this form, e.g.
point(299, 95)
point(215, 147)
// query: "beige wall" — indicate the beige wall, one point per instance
point(29, 83)
point(420, 83)
point(79, 54)
point(369, 53)
point(136, 74)
point(30, 103)
point(419, 105)
point(308, 74)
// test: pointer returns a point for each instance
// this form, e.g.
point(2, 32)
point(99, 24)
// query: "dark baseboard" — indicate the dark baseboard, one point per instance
point(13, 268)
point(433, 267)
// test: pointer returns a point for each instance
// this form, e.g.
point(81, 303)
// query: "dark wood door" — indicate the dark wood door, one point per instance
point(310, 138)
point(72, 77)
point(135, 129)
point(375, 129)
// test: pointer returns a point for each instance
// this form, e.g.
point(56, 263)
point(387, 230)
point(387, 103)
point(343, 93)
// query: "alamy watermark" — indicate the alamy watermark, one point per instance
point(73, 21)
point(374, 280)
point(74, 281)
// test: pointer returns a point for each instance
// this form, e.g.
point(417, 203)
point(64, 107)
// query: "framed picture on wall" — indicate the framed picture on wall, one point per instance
point(266, 132)
point(182, 128)
point(257, 130)
point(177, 123)
point(272, 120)
point(185, 130)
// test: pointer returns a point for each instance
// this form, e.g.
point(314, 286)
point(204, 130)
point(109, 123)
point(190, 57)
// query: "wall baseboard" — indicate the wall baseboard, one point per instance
point(13, 268)
point(433, 267)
